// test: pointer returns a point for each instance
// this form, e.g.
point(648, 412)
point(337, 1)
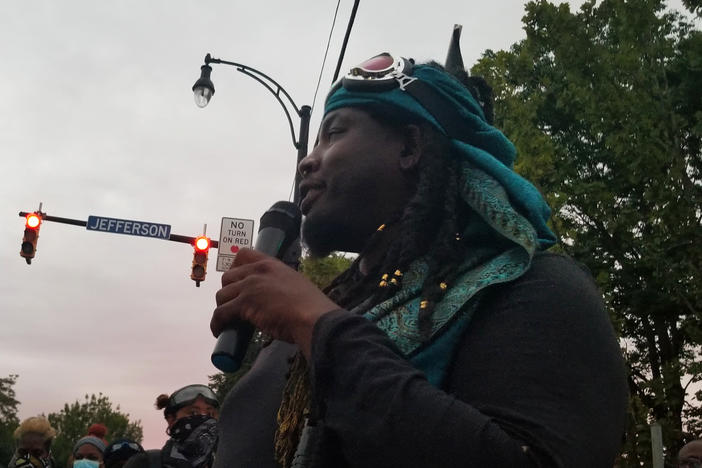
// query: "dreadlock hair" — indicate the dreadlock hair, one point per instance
point(431, 223)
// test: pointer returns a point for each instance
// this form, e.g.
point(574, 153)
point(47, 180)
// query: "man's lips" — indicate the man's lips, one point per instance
point(309, 191)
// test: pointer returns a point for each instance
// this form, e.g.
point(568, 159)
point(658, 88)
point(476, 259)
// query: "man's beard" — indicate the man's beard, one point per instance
point(324, 236)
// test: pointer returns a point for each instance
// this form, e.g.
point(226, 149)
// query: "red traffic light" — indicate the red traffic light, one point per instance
point(33, 220)
point(202, 244)
point(199, 266)
point(31, 235)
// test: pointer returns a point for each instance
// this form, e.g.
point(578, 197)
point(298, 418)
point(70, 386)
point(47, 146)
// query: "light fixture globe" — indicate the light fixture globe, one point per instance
point(203, 89)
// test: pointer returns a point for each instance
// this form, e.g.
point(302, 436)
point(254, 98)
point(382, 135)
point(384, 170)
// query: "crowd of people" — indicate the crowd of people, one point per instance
point(191, 415)
point(453, 340)
point(191, 422)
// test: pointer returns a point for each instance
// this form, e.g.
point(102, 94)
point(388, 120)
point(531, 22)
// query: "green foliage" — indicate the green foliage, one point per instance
point(605, 108)
point(695, 6)
point(73, 420)
point(321, 271)
point(8, 416)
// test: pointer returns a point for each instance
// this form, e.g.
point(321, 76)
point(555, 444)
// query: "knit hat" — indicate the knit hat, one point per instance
point(95, 437)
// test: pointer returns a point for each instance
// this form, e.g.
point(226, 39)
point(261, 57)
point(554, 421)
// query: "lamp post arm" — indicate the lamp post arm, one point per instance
point(271, 85)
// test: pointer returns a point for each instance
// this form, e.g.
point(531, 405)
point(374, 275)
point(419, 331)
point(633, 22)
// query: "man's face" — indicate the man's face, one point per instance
point(33, 444)
point(352, 181)
point(690, 456)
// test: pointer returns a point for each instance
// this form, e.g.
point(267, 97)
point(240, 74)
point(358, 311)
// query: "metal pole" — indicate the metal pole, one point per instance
point(305, 114)
point(77, 222)
point(294, 252)
point(346, 40)
point(657, 445)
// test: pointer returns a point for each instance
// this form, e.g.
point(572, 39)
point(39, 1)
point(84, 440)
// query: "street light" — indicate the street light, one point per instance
point(203, 87)
point(203, 90)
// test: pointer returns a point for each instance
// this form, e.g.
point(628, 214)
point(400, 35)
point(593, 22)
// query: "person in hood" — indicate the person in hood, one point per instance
point(191, 414)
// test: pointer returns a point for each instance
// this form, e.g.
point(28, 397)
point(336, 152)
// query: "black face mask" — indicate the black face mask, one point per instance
point(183, 427)
point(192, 444)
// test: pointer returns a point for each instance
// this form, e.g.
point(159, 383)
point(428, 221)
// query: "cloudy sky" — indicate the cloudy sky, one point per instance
point(97, 118)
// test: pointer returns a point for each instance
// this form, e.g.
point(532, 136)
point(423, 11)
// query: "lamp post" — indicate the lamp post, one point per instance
point(204, 90)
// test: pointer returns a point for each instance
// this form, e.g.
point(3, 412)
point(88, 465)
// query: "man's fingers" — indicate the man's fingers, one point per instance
point(224, 315)
point(253, 263)
point(246, 256)
point(227, 293)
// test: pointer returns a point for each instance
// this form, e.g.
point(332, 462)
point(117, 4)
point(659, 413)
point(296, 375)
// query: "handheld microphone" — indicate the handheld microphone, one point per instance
point(279, 227)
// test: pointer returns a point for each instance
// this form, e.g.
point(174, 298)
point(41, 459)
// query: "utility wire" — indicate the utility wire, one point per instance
point(319, 80)
point(324, 61)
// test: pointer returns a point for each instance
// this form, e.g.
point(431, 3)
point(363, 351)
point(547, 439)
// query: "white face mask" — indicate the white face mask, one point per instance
point(85, 463)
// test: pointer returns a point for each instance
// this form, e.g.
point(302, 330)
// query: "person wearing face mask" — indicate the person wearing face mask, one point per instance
point(191, 413)
point(33, 438)
point(88, 452)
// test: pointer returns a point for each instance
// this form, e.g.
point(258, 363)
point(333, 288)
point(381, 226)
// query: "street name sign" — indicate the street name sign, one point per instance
point(129, 227)
point(234, 234)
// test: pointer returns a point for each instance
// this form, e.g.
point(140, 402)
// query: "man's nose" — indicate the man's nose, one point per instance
point(308, 164)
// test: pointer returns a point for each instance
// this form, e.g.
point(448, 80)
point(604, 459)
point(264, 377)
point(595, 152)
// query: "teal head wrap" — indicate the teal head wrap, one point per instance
point(508, 206)
point(481, 144)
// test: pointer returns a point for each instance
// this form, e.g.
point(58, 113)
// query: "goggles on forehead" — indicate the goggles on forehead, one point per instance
point(125, 446)
point(190, 393)
point(380, 73)
point(385, 72)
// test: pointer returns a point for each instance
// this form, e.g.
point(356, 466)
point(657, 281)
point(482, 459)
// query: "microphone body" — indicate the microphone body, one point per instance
point(279, 227)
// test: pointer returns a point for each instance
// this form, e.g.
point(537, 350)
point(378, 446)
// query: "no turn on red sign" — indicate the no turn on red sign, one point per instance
point(234, 234)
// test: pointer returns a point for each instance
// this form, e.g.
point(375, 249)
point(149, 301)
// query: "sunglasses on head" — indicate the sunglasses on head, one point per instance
point(190, 393)
point(124, 446)
point(385, 72)
point(380, 73)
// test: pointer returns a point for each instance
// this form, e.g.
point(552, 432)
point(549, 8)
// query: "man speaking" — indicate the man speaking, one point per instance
point(454, 339)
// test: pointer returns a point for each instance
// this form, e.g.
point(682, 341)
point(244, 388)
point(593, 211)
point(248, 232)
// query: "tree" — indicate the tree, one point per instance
point(8, 416)
point(605, 108)
point(321, 271)
point(73, 420)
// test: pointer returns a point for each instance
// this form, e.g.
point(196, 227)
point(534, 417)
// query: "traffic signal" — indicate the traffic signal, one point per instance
point(31, 235)
point(199, 268)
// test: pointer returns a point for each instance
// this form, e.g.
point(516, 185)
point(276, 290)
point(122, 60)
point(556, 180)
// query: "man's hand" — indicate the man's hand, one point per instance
point(272, 296)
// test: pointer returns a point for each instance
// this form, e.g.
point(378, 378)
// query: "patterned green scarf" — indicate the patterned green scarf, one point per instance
point(484, 265)
point(509, 206)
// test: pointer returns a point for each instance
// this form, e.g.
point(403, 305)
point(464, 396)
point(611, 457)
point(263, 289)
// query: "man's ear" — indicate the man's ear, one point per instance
point(412, 151)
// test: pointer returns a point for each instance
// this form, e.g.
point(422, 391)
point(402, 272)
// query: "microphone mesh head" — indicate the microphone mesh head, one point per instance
point(283, 215)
